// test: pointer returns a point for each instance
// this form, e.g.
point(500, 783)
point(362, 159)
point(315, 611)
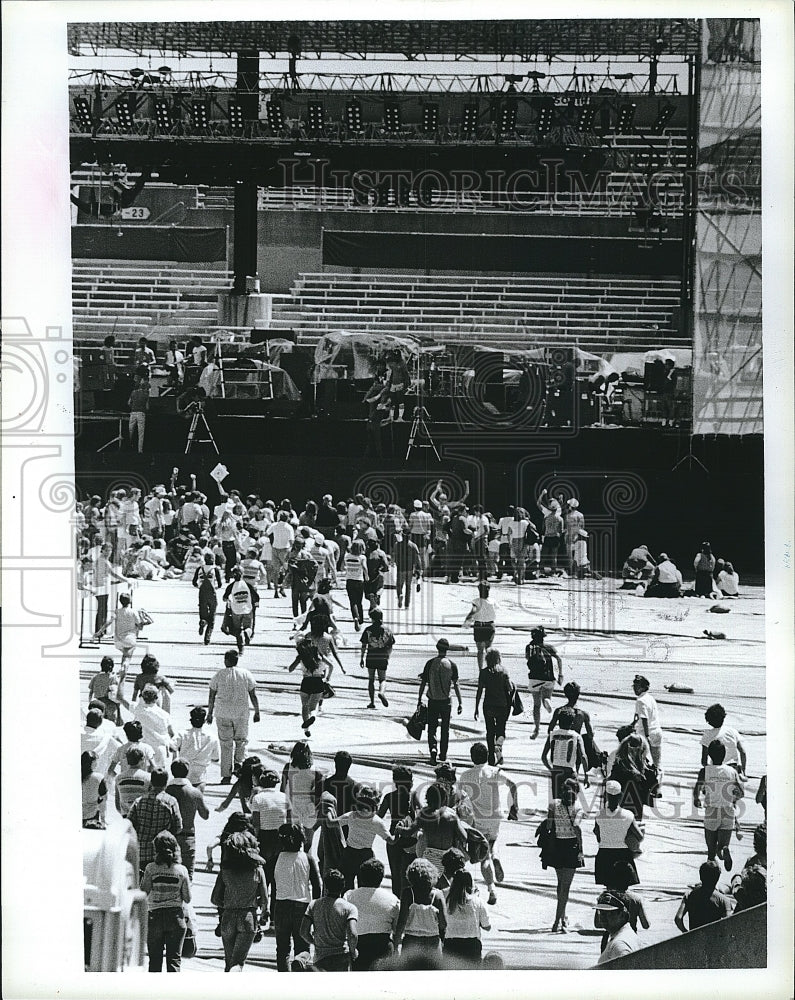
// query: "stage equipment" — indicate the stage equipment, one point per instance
point(392, 116)
point(353, 116)
point(545, 120)
point(430, 117)
point(83, 111)
point(163, 118)
point(200, 114)
point(275, 116)
point(125, 114)
point(626, 118)
point(235, 113)
point(198, 426)
point(315, 118)
point(469, 122)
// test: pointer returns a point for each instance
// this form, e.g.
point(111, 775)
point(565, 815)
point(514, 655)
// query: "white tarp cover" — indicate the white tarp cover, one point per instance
point(361, 352)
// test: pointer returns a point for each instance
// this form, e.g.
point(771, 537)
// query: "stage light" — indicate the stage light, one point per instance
point(165, 73)
point(315, 117)
point(353, 116)
point(275, 116)
point(469, 122)
point(83, 111)
point(626, 116)
point(508, 120)
point(545, 119)
point(163, 115)
point(587, 116)
point(392, 116)
point(200, 114)
point(664, 115)
point(124, 115)
point(430, 117)
point(236, 119)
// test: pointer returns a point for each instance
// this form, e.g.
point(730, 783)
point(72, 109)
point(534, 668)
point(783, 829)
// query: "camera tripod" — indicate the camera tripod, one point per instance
point(420, 433)
point(197, 422)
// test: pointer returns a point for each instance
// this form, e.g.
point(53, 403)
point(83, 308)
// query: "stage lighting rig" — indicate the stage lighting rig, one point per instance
point(664, 115)
point(508, 120)
point(430, 117)
point(545, 120)
point(587, 116)
point(469, 122)
point(125, 115)
point(626, 118)
point(275, 116)
point(353, 116)
point(315, 118)
point(200, 114)
point(236, 120)
point(536, 75)
point(163, 117)
point(83, 112)
point(392, 116)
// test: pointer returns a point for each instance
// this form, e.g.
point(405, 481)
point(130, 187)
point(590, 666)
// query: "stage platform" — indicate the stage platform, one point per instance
point(604, 636)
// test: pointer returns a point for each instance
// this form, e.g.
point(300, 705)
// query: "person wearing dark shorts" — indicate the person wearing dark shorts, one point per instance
point(377, 643)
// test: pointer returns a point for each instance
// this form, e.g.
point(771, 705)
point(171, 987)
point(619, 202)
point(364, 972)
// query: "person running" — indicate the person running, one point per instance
point(439, 825)
point(378, 910)
point(153, 812)
point(156, 725)
point(127, 625)
point(240, 893)
point(466, 918)
point(703, 904)
point(582, 722)
point(269, 808)
point(564, 854)
point(402, 804)
point(313, 667)
point(377, 644)
point(231, 690)
point(297, 880)
point(303, 570)
point(303, 784)
point(566, 747)
point(244, 786)
point(241, 599)
point(482, 615)
point(104, 687)
point(439, 676)
point(542, 660)
point(377, 565)
point(191, 802)
point(718, 790)
point(362, 825)
point(167, 886)
point(497, 690)
point(355, 565)
point(647, 718)
point(132, 782)
point(480, 785)
point(105, 575)
point(422, 920)
point(150, 676)
point(197, 748)
point(207, 579)
point(736, 757)
point(612, 826)
point(630, 769)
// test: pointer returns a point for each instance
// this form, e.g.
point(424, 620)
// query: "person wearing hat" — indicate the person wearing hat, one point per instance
point(612, 827)
point(666, 579)
point(614, 917)
point(638, 567)
point(197, 748)
point(377, 643)
point(580, 564)
point(573, 524)
point(542, 661)
point(647, 717)
point(420, 528)
point(439, 675)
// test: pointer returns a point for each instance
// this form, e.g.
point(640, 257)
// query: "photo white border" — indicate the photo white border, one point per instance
point(41, 886)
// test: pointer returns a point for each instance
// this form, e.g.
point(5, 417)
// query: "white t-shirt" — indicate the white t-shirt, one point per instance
point(271, 804)
point(506, 526)
point(728, 583)
point(623, 942)
point(378, 909)
point(668, 573)
point(291, 876)
point(467, 920)
point(613, 827)
point(729, 738)
point(282, 534)
point(483, 611)
point(518, 529)
point(646, 708)
point(232, 686)
point(362, 830)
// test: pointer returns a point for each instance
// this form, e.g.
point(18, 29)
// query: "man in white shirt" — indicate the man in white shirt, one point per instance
point(281, 535)
point(378, 914)
point(621, 940)
point(647, 718)
point(197, 748)
point(98, 741)
point(715, 716)
point(231, 689)
point(666, 581)
point(153, 510)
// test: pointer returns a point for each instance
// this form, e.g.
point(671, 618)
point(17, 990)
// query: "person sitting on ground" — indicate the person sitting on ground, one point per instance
point(728, 581)
point(378, 910)
point(666, 580)
point(703, 904)
point(638, 568)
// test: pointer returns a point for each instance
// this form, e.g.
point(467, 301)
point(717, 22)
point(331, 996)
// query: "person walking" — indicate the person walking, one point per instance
point(439, 675)
point(703, 904)
point(420, 523)
point(167, 886)
point(154, 812)
point(621, 939)
point(207, 579)
point(303, 784)
point(647, 718)
point(378, 910)
point(297, 880)
point(377, 565)
point(564, 853)
point(231, 690)
point(355, 565)
point(104, 687)
point(105, 575)
point(718, 790)
point(269, 808)
point(138, 404)
point(715, 717)
point(377, 644)
point(566, 747)
point(482, 615)
point(197, 748)
point(156, 725)
point(402, 804)
point(573, 525)
point(497, 691)
point(191, 803)
point(542, 661)
point(362, 825)
point(466, 918)
point(330, 923)
point(612, 826)
point(407, 559)
point(303, 570)
point(150, 676)
point(240, 894)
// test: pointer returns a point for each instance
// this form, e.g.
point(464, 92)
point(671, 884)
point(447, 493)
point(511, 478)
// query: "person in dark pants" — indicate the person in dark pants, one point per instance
point(495, 686)
point(439, 675)
point(378, 911)
point(167, 887)
point(208, 579)
point(401, 804)
point(407, 560)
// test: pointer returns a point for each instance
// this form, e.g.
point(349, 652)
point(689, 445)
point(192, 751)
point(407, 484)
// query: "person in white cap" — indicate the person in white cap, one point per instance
point(573, 523)
point(553, 533)
point(612, 828)
point(580, 564)
point(621, 939)
point(420, 527)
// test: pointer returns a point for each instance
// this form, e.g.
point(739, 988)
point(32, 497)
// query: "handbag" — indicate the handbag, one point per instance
point(633, 844)
point(415, 726)
point(328, 690)
point(517, 705)
point(189, 944)
point(477, 845)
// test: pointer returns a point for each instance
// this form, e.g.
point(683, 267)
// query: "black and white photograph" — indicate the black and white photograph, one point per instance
point(417, 484)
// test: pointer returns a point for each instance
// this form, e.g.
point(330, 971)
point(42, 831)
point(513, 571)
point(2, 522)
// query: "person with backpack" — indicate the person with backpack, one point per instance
point(303, 570)
point(567, 750)
point(207, 579)
point(542, 661)
point(377, 643)
point(241, 599)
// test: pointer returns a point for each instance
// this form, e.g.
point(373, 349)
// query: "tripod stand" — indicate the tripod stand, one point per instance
point(197, 422)
point(420, 434)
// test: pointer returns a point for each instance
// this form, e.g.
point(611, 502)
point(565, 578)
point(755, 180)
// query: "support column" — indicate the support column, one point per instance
point(245, 239)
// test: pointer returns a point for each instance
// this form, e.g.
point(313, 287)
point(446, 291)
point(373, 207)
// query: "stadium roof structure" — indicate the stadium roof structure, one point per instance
point(527, 39)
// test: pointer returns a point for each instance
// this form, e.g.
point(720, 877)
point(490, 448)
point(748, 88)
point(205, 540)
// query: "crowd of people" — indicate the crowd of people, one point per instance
point(297, 858)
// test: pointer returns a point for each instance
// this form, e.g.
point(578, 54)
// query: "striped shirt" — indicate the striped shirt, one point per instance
point(166, 886)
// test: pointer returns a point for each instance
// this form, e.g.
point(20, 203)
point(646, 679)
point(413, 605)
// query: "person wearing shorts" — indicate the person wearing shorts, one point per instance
point(718, 789)
point(482, 615)
point(377, 643)
point(542, 659)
